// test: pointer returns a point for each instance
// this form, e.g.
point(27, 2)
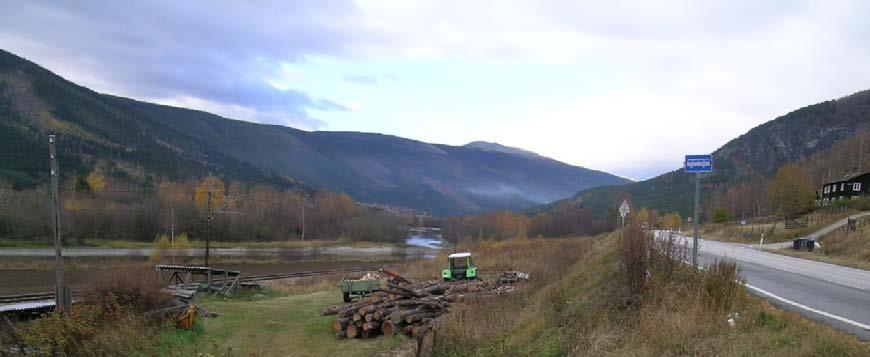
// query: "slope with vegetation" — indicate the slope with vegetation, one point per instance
point(145, 143)
point(592, 296)
point(744, 164)
point(616, 300)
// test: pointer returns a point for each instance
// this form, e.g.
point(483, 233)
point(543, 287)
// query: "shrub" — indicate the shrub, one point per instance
point(89, 330)
point(633, 246)
point(721, 215)
point(721, 283)
point(136, 288)
point(161, 247)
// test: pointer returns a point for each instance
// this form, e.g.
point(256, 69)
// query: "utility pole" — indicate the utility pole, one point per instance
point(623, 211)
point(172, 232)
point(208, 217)
point(695, 220)
point(61, 294)
point(304, 202)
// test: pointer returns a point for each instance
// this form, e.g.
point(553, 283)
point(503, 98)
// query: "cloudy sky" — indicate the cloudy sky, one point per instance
point(626, 87)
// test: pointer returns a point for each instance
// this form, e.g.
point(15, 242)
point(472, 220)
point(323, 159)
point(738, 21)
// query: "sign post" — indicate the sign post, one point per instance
point(697, 164)
point(623, 211)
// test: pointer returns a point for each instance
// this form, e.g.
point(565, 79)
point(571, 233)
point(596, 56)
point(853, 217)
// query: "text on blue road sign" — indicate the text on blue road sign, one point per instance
point(699, 163)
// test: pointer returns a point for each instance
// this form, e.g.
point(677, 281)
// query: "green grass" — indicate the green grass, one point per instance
point(584, 310)
point(274, 324)
point(734, 232)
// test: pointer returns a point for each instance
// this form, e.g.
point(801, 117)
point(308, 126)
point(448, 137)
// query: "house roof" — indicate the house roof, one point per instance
point(848, 178)
point(459, 255)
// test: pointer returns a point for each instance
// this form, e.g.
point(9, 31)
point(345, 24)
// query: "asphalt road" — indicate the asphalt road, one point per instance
point(832, 294)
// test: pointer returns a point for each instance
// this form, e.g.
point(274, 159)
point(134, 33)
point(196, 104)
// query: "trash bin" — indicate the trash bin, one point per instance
point(799, 244)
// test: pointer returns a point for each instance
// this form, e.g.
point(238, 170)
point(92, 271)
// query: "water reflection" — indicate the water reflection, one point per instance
point(425, 237)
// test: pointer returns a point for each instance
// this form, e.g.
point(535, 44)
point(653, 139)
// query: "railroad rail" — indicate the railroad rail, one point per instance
point(36, 297)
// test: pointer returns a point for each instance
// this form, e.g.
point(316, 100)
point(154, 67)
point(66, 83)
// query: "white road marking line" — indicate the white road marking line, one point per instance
point(807, 308)
point(799, 305)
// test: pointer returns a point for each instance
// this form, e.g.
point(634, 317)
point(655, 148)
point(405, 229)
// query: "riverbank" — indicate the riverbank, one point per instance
point(38, 276)
point(125, 244)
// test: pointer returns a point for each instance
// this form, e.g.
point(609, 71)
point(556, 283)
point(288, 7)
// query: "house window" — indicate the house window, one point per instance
point(827, 189)
point(834, 188)
point(843, 186)
point(856, 186)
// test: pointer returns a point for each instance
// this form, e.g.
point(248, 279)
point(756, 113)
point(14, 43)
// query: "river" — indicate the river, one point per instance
point(37, 274)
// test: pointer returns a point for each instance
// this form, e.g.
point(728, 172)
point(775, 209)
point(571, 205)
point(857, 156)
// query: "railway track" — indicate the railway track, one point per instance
point(32, 297)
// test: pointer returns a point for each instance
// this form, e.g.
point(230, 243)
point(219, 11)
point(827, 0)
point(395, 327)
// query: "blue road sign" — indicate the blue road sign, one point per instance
point(698, 163)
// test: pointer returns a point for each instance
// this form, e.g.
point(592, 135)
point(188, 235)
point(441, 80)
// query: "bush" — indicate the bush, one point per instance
point(721, 282)
point(721, 215)
point(136, 288)
point(161, 248)
point(89, 330)
point(633, 247)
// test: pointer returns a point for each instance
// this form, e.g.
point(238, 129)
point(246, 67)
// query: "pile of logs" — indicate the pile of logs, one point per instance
point(410, 309)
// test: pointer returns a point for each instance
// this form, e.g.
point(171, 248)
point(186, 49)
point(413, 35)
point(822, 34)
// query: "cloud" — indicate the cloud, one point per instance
point(223, 54)
point(664, 78)
point(369, 79)
point(362, 79)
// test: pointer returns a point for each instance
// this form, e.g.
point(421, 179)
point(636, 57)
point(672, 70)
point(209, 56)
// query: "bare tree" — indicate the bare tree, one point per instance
point(5, 193)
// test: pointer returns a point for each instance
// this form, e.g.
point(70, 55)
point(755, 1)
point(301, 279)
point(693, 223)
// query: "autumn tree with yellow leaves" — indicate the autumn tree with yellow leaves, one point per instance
point(791, 190)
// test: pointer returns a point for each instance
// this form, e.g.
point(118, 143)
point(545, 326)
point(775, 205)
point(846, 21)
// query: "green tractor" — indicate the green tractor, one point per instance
point(460, 267)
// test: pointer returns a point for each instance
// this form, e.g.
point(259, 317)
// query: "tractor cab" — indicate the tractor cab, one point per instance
point(459, 267)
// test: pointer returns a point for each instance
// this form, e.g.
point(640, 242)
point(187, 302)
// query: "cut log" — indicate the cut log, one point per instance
point(351, 331)
point(367, 309)
point(388, 328)
point(339, 324)
point(400, 315)
point(417, 317)
point(368, 326)
point(410, 309)
point(405, 291)
point(407, 329)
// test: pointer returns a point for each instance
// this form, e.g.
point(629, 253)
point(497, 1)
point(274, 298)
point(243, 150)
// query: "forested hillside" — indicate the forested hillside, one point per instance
point(144, 144)
point(746, 162)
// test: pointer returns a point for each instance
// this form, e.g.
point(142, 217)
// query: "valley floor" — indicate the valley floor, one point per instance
point(579, 302)
point(272, 324)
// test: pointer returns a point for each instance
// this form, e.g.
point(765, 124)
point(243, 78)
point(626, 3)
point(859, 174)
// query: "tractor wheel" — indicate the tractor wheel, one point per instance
point(346, 296)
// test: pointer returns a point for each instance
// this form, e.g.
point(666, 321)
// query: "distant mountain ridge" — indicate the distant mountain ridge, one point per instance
point(144, 143)
point(496, 147)
point(758, 154)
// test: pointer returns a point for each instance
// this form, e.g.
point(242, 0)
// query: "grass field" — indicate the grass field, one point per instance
point(587, 296)
point(275, 324)
point(773, 232)
point(845, 248)
point(586, 308)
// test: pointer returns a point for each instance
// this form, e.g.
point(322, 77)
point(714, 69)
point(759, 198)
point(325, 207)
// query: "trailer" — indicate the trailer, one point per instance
point(359, 287)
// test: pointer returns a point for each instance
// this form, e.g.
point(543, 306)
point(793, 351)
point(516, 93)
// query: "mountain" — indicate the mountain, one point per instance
point(747, 159)
point(496, 147)
point(143, 143)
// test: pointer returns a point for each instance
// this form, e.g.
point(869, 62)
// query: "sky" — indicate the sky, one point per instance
point(627, 87)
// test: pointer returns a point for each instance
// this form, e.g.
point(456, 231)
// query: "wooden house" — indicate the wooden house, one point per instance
point(849, 188)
